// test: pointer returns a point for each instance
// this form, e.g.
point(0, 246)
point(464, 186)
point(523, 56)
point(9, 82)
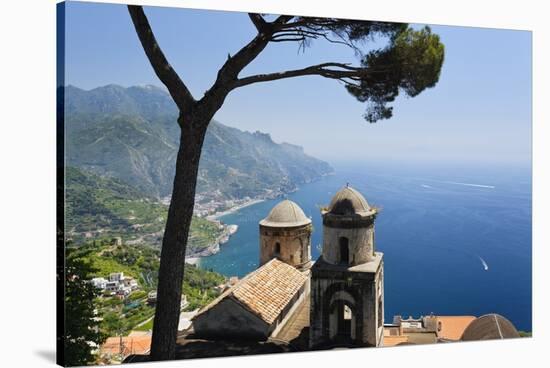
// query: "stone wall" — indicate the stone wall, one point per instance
point(294, 245)
point(228, 319)
point(360, 243)
point(362, 292)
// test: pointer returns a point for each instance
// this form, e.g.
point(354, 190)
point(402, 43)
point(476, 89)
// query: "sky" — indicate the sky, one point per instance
point(479, 111)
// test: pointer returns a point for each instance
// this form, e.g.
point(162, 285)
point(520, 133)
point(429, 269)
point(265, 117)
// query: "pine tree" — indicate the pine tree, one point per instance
point(409, 61)
point(82, 334)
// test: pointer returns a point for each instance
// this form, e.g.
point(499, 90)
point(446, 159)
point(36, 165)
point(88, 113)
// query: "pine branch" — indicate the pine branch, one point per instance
point(164, 71)
point(344, 72)
point(258, 21)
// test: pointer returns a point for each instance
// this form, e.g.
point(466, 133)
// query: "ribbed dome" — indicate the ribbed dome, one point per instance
point(286, 214)
point(489, 326)
point(348, 201)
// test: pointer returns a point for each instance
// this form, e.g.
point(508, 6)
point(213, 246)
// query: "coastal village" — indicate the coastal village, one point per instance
point(293, 303)
point(134, 297)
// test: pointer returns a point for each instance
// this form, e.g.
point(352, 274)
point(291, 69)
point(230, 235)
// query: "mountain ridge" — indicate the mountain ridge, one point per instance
point(130, 133)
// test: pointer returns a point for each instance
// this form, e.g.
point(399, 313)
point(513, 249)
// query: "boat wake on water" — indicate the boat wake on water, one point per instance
point(471, 185)
point(469, 254)
point(485, 265)
point(486, 186)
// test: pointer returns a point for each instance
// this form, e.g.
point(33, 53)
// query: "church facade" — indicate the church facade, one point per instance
point(344, 288)
point(347, 283)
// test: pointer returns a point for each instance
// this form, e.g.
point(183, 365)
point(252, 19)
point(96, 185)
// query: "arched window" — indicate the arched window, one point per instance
point(344, 250)
point(347, 312)
point(277, 248)
point(345, 329)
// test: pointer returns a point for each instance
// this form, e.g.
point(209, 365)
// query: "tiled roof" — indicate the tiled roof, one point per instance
point(421, 337)
point(395, 340)
point(266, 291)
point(130, 345)
point(489, 326)
point(452, 327)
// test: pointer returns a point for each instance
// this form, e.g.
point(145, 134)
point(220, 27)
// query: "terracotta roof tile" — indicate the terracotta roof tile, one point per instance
point(266, 291)
point(395, 340)
point(130, 345)
point(452, 327)
point(421, 337)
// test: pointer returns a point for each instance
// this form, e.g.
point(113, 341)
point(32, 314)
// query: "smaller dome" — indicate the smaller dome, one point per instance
point(488, 327)
point(285, 214)
point(348, 201)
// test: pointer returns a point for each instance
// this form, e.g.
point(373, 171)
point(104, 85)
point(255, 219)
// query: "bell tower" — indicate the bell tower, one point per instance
point(286, 234)
point(347, 281)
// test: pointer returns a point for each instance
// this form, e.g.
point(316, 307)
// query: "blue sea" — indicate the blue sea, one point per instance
point(456, 238)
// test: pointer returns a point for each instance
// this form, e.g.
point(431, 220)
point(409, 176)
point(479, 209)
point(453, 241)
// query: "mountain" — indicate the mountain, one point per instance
point(101, 207)
point(131, 134)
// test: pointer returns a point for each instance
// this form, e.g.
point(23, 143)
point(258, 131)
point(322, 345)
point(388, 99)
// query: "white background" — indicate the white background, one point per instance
point(27, 153)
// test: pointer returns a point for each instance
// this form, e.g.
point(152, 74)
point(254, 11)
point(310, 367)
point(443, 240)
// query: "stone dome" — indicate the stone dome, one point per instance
point(348, 201)
point(488, 327)
point(285, 214)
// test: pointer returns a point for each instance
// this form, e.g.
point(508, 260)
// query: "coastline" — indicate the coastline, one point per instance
point(230, 229)
point(192, 260)
point(234, 209)
point(214, 248)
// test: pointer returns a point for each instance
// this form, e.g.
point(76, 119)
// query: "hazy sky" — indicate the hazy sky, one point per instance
point(480, 111)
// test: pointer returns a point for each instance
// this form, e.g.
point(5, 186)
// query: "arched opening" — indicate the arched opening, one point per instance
point(342, 329)
point(277, 248)
point(344, 250)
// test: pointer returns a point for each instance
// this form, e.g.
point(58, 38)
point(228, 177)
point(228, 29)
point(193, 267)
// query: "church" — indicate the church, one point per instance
point(292, 303)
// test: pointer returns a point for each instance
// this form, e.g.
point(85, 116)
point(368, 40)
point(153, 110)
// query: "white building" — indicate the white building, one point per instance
point(116, 283)
point(130, 282)
point(113, 286)
point(116, 276)
point(99, 282)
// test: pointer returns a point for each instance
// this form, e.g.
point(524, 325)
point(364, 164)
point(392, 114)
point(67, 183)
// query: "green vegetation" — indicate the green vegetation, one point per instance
point(136, 295)
point(106, 207)
point(81, 325)
point(148, 326)
point(525, 334)
point(203, 233)
point(198, 286)
point(94, 203)
point(103, 257)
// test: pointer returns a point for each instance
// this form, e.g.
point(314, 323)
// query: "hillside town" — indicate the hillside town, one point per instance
point(116, 284)
point(137, 340)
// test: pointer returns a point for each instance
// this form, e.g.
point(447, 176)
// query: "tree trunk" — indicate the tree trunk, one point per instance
point(174, 244)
